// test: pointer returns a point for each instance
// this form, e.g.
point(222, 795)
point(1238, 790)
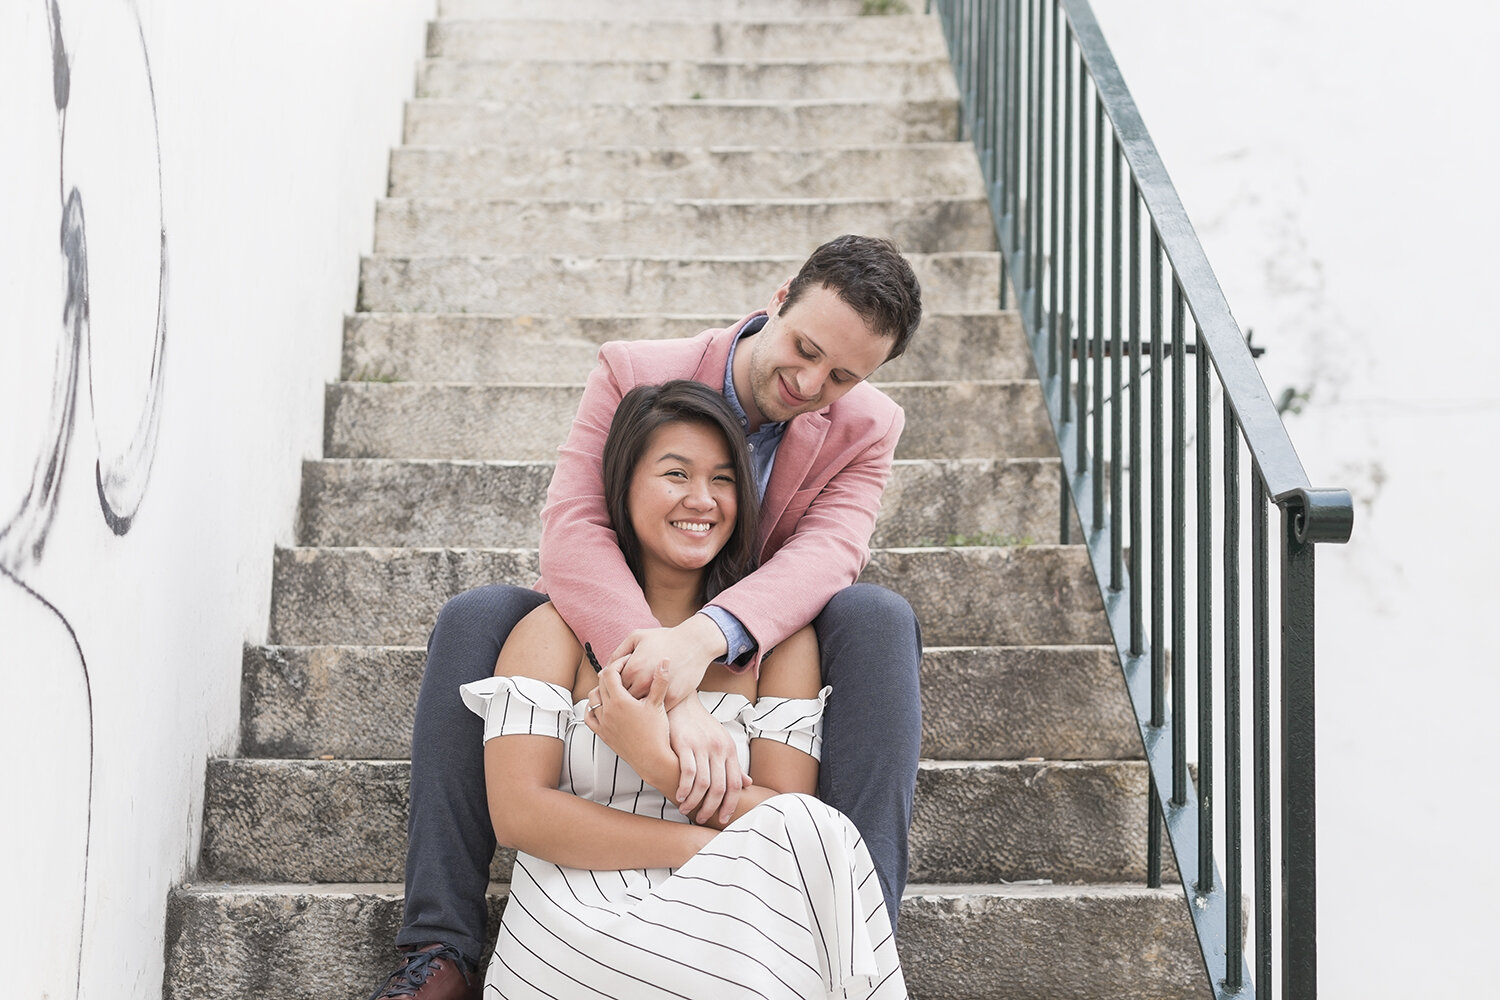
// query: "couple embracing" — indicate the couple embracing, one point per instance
point(648, 726)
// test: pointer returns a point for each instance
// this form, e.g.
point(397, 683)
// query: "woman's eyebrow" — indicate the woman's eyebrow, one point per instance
point(672, 456)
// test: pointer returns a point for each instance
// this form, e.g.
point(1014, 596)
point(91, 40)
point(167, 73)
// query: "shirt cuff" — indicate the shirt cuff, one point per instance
point(737, 642)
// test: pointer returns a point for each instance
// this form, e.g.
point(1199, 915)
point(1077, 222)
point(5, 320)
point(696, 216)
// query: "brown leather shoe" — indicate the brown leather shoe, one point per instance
point(435, 972)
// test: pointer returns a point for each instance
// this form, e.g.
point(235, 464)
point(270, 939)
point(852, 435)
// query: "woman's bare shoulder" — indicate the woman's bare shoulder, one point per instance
point(543, 647)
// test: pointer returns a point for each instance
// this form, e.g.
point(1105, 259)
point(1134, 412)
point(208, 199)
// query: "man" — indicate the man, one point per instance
point(821, 441)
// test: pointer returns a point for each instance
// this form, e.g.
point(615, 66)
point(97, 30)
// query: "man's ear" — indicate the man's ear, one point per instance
point(774, 306)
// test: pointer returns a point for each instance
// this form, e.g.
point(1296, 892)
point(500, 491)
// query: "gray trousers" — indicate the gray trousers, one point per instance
point(871, 649)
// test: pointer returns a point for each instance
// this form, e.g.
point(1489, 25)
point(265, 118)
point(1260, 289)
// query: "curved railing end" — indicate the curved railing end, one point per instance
point(1319, 515)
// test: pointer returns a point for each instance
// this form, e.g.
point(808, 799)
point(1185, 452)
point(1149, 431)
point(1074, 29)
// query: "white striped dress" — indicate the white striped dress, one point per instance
point(784, 904)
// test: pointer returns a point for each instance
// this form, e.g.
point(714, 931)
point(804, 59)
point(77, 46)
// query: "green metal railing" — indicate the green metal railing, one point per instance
point(1108, 276)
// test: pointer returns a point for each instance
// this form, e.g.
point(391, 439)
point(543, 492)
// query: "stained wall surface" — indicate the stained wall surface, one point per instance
point(1338, 160)
point(185, 189)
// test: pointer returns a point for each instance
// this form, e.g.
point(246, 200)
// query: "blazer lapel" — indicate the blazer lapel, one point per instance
point(800, 444)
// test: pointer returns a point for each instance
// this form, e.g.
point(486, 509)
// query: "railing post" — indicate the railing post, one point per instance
point(1299, 868)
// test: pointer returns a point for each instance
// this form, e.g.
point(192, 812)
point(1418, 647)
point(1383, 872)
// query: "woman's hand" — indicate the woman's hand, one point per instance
point(709, 777)
point(637, 730)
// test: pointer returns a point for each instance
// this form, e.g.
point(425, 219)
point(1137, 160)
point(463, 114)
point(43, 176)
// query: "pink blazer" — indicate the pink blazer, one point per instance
point(816, 519)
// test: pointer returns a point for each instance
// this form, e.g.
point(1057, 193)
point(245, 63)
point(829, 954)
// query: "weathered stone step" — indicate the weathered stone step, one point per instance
point(614, 10)
point(937, 169)
point(978, 703)
point(385, 502)
point(648, 78)
point(402, 347)
point(590, 285)
point(963, 596)
point(529, 422)
point(678, 227)
point(676, 123)
point(958, 942)
point(899, 37)
point(345, 821)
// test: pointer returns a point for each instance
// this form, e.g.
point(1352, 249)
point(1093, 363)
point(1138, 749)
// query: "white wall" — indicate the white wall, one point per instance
point(1338, 159)
point(150, 447)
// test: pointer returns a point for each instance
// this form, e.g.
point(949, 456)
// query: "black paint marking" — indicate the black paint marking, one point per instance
point(121, 480)
point(24, 535)
point(62, 79)
point(88, 827)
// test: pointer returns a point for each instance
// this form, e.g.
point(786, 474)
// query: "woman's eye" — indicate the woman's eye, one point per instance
point(839, 378)
point(677, 474)
point(725, 479)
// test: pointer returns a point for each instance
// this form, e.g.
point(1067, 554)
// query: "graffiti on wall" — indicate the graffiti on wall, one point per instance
point(82, 346)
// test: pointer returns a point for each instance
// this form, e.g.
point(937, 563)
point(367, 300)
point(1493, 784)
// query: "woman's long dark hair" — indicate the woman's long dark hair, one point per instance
point(643, 410)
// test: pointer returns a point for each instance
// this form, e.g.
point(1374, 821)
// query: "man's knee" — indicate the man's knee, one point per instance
point(870, 631)
point(483, 614)
point(869, 604)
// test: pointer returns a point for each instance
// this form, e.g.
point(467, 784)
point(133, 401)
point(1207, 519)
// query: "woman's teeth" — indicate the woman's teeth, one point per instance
point(700, 526)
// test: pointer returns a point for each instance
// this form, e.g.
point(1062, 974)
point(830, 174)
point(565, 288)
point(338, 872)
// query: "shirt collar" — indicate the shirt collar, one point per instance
point(752, 326)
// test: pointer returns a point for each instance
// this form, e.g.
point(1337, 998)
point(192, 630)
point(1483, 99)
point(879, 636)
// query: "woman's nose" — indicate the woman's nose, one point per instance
point(699, 497)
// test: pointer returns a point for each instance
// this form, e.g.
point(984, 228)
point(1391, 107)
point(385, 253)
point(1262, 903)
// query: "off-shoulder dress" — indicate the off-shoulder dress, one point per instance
point(784, 903)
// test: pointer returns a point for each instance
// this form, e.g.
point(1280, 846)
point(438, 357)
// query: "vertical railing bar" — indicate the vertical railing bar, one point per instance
point(1261, 730)
point(1034, 178)
point(1117, 407)
point(1203, 622)
point(1017, 150)
point(1098, 213)
point(1005, 138)
point(1054, 247)
point(996, 137)
point(1065, 332)
point(1234, 930)
point(1158, 548)
point(1086, 225)
point(1137, 581)
point(1299, 844)
point(1179, 650)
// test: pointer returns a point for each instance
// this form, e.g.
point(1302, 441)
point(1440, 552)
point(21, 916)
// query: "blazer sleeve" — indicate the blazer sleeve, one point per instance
point(827, 548)
point(583, 570)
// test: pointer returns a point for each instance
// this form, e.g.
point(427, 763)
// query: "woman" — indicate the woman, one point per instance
point(615, 892)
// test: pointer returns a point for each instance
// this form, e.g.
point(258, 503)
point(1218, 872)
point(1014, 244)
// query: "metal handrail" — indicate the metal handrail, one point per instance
point(1033, 76)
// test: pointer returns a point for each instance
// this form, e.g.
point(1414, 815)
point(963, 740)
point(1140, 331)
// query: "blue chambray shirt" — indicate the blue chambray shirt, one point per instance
point(763, 443)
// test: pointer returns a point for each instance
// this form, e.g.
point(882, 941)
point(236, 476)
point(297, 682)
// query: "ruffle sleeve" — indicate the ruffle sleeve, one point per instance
point(797, 722)
point(524, 705)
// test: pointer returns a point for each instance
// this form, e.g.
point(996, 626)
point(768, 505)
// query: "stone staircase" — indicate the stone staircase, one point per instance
point(576, 171)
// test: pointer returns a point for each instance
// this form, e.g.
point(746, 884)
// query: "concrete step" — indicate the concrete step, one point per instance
point(907, 170)
point(614, 10)
point(384, 502)
point(345, 821)
point(978, 703)
point(897, 37)
point(590, 285)
point(530, 422)
point(402, 347)
point(648, 78)
point(958, 942)
point(537, 122)
point(963, 596)
point(678, 227)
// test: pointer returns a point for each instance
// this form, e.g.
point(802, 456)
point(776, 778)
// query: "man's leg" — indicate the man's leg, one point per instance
point(450, 839)
point(871, 646)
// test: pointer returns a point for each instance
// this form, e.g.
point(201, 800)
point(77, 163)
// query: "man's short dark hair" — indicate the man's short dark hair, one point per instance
point(871, 277)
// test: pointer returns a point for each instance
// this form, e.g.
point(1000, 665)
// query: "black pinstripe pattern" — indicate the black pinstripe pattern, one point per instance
point(781, 905)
